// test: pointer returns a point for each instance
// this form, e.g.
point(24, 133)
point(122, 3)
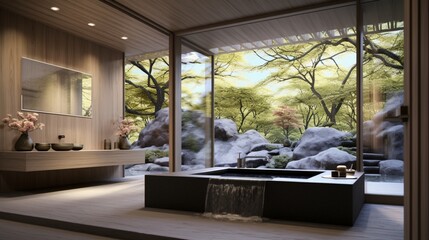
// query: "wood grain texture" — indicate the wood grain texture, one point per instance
point(117, 209)
point(416, 148)
point(21, 37)
point(52, 160)
point(110, 24)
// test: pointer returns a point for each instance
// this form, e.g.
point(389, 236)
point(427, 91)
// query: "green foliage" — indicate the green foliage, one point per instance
point(275, 135)
point(317, 80)
point(190, 142)
point(242, 105)
point(146, 86)
point(186, 117)
point(152, 155)
point(279, 161)
point(348, 150)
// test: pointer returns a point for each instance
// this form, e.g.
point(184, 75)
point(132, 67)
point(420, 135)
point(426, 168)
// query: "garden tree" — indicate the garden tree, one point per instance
point(146, 90)
point(381, 78)
point(307, 107)
point(226, 64)
point(242, 105)
point(264, 125)
point(318, 65)
point(147, 81)
point(287, 119)
point(348, 117)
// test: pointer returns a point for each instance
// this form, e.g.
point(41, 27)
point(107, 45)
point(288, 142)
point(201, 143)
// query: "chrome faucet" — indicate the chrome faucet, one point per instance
point(241, 161)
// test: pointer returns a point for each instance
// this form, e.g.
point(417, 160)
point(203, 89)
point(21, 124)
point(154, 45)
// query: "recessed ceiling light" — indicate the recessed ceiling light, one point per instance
point(55, 9)
point(91, 24)
point(124, 38)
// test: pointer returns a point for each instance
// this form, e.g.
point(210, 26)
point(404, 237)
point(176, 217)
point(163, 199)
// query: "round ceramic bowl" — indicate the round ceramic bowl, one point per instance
point(62, 146)
point(77, 147)
point(42, 146)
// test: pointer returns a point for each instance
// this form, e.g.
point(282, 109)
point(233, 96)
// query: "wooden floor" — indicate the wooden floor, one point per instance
point(115, 210)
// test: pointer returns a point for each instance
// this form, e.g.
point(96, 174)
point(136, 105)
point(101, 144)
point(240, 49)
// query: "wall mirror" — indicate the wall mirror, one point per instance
point(53, 89)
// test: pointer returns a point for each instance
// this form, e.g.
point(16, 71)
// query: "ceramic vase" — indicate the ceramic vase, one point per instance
point(123, 143)
point(24, 143)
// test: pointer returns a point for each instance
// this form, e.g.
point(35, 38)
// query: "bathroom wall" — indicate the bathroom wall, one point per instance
point(22, 37)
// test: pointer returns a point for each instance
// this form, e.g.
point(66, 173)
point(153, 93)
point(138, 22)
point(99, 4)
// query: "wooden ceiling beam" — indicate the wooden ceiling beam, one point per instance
point(265, 16)
point(130, 12)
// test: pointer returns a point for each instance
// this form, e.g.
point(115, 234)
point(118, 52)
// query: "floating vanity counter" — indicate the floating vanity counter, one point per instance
point(53, 160)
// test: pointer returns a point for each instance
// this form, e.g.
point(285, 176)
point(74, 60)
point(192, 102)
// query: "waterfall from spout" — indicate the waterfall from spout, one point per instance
point(232, 199)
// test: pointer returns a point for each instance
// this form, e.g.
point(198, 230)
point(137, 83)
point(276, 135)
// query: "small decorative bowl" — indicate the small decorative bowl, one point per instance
point(42, 146)
point(77, 147)
point(62, 146)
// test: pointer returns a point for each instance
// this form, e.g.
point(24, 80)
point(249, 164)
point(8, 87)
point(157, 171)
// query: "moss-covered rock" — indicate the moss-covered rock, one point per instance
point(152, 155)
point(279, 161)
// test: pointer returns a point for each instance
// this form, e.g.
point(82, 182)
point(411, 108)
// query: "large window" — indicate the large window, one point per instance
point(286, 91)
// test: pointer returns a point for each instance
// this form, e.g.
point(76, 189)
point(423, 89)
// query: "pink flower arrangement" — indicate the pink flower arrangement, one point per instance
point(26, 122)
point(126, 126)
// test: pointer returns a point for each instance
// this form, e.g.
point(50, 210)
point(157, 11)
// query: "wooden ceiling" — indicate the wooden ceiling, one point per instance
point(211, 24)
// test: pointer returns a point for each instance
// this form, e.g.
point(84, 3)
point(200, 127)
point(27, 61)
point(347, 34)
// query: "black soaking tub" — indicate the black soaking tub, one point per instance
point(297, 195)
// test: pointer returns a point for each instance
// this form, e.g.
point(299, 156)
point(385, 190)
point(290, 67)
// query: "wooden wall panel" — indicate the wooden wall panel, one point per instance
point(21, 37)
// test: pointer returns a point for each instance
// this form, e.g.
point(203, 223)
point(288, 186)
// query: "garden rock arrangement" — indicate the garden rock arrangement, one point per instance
point(318, 148)
point(317, 139)
point(230, 145)
point(327, 159)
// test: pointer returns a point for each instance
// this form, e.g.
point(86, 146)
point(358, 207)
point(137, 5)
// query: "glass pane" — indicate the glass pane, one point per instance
point(383, 91)
point(146, 105)
point(196, 110)
point(291, 101)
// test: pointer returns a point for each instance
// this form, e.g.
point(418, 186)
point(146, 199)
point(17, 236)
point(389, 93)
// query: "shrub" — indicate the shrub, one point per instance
point(152, 155)
point(279, 161)
point(348, 150)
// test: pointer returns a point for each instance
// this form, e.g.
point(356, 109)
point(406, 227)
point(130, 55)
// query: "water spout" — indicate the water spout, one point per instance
point(236, 197)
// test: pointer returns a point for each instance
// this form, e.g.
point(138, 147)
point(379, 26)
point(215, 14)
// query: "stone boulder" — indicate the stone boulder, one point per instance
point(394, 142)
point(147, 167)
point(188, 157)
point(227, 152)
point(328, 159)
point(256, 159)
point(156, 132)
point(286, 151)
point(163, 162)
point(265, 146)
point(316, 139)
point(392, 167)
point(225, 129)
point(193, 130)
point(274, 152)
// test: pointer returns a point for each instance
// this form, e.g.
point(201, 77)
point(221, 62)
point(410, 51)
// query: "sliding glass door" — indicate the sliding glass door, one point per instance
point(383, 97)
point(197, 111)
